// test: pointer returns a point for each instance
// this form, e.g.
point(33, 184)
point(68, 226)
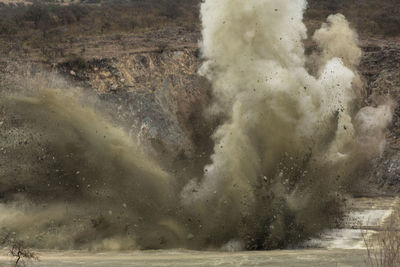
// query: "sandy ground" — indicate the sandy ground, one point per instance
point(312, 257)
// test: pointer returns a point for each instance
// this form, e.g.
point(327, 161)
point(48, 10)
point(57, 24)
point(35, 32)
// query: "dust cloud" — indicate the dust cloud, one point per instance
point(292, 141)
point(285, 156)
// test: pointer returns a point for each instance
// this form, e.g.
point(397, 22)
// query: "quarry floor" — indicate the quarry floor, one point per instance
point(336, 247)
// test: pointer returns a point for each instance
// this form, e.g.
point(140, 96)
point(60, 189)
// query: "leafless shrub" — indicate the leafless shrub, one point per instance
point(383, 248)
point(21, 253)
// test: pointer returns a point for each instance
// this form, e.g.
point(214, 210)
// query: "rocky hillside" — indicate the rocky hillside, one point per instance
point(147, 80)
point(146, 83)
point(380, 68)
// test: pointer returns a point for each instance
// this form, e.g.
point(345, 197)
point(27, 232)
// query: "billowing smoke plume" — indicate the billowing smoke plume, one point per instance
point(289, 147)
point(291, 141)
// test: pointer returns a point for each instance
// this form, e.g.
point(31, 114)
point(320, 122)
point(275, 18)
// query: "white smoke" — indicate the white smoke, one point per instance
point(337, 39)
point(279, 117)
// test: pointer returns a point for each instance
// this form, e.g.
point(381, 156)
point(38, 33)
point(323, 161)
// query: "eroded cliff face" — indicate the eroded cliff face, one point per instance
point(380, 68)
point(160, 94)
point(157, 95)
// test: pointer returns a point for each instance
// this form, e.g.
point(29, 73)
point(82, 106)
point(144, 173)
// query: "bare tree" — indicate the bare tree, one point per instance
point(20, 252)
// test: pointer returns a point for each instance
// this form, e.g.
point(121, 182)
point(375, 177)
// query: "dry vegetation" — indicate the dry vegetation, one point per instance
point(383, 248)
point(54, 20)
point(21, 254)
point(52, 26)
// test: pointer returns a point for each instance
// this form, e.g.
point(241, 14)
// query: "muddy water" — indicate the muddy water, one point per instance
point(335, 247)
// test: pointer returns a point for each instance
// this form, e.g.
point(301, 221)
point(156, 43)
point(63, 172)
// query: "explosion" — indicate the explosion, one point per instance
point(289, 148)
